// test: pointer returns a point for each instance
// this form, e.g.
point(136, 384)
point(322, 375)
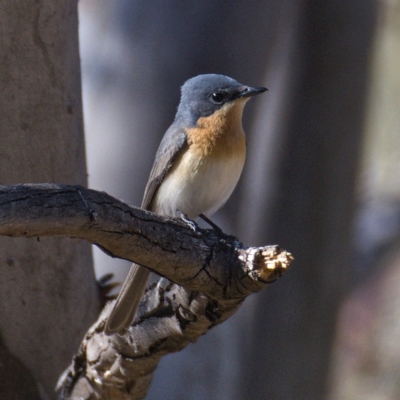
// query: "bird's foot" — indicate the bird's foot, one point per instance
point(192, 225)
point(209, 222)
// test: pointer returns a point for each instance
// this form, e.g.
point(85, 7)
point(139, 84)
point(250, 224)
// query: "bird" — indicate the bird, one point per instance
point(196, 168)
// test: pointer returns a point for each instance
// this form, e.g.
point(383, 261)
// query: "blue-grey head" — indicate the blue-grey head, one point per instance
point(202, 95)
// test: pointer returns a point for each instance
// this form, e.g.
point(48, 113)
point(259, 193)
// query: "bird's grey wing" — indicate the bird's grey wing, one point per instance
point(173, 141)
point(128, 299)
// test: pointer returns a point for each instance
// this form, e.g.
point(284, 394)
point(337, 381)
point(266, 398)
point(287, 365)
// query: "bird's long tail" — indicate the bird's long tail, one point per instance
point(128, 300)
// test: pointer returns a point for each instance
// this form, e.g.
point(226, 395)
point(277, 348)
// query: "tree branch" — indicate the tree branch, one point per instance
point(213, 273)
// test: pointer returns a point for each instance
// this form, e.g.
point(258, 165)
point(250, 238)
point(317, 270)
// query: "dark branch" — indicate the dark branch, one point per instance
point(215, 272)
point(202, 260)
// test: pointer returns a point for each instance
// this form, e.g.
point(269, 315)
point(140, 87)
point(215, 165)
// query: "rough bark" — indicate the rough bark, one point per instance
point(215, 271)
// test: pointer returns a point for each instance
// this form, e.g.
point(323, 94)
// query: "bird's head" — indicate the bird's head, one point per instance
point(203, 95)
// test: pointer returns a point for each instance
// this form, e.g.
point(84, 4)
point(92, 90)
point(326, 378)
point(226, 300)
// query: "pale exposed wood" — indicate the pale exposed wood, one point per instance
point(215, 273)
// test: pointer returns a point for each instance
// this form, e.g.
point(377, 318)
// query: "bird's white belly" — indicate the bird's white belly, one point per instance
point(198, 188)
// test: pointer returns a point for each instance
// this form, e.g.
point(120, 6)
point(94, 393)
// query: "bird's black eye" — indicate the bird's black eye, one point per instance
point(217, 98)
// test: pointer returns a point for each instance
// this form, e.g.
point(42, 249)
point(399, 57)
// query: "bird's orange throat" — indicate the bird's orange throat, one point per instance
point(221, 134)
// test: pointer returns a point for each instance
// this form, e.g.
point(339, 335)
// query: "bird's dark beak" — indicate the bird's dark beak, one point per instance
point(248, 91)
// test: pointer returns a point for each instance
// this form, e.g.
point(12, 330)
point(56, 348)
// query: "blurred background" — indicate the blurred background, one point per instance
point(321, 179)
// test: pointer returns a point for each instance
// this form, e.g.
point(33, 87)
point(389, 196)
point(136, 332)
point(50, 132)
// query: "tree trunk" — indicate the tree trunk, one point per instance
point(48, 295)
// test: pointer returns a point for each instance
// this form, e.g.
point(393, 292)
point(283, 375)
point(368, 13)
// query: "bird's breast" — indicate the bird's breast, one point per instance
point(206, 172)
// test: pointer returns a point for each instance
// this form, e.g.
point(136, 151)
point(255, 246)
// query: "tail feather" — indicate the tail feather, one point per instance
point(128, 300)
